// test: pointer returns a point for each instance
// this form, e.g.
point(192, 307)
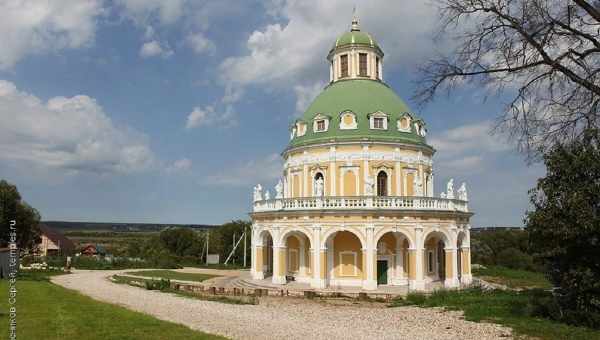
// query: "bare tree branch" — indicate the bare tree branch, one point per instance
point(543, 53)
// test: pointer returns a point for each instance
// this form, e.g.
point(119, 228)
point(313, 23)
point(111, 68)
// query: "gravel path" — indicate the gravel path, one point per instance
point(277, 318)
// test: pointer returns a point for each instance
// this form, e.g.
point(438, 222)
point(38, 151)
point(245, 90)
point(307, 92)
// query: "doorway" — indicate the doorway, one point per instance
point(382, 269)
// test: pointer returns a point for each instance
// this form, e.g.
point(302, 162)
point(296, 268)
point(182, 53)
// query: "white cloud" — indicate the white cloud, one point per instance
point(154, 49)
point(469, 147)
point(35, 27)
point(72, 134)
point(265, 171)
point(280, 54)
point(200, 44)
point(208, 116)
point(473, 137)
point(180, 165)
point(305, 94)
point(143, 11)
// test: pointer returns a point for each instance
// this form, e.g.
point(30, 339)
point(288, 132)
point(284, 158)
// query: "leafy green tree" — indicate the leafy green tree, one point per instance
point(12, 207)
point(221, 241)
point(565, 226)
point(181, 241)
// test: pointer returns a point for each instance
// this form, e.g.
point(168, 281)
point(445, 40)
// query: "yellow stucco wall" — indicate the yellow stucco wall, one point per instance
point(351, 266)
point(349, 184)
point(449, 263)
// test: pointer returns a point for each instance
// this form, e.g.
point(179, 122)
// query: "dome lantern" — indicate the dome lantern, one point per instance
point(355, 55)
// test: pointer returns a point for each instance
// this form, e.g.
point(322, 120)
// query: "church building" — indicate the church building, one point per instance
point(355, 206)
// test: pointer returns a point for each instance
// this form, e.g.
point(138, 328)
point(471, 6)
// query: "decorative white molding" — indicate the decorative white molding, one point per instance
point(346, 156)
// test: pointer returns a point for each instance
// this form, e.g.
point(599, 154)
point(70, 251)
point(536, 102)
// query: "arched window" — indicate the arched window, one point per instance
point(319, 185)
point(381, 183)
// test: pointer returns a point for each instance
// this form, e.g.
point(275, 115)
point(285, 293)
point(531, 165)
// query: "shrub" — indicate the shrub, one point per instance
point(415, 299)
point(162, 284)
point(515, 259)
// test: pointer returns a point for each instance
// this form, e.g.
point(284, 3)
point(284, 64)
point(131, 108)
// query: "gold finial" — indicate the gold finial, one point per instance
point(354, 20)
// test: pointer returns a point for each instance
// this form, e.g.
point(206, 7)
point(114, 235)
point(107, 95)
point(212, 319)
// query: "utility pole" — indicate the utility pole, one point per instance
point(207, 236)
point(233, 247)
point(245, 246)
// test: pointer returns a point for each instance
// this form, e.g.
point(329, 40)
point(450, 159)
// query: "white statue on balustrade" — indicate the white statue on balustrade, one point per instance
point(279, 190)
point(267, 195)
point(369, 186)
point(450, 189)
point(462, 192)
point(319, 187)
point(258, 193)
point(443, 195)
point(418, 184)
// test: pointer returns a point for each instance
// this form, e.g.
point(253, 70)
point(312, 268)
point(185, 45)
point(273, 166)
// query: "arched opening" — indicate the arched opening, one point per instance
point(265, 260)
point(392, 259)
point(319, 185)
point(297, 257)
point(345, 259)
point(435, 257)
point(382, 183)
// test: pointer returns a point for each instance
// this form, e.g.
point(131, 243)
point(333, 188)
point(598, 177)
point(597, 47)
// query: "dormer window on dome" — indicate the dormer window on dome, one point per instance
point(348, 121)
point(378, 121)
point(300, 128)
point(404, 123)
point(420, 128)
point(320, 123)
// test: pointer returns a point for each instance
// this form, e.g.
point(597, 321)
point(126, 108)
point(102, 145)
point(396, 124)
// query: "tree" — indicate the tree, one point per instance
point(12, 207)
point(181, 241)
point(565, 226)
point(544, 53)
point(221, 240)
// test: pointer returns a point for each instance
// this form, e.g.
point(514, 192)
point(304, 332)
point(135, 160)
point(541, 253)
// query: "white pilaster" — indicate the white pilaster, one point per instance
point(365, 156)
point(317, 281)
point(418, 283)
point(452, 281)
point(332, 171)
point(371, 281)
point(305, 176)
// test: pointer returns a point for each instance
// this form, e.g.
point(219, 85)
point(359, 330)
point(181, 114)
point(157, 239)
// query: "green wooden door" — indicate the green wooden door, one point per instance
point(382, 267)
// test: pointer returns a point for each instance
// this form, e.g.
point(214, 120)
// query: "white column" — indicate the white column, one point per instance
point(397, 171)
point(371, 281)
point(317, 281)
point(331, 72)
point(305, 176)
point(365, 156)
point(452, 280)
point(418, 283)
point(332, 171)
point(302, 260)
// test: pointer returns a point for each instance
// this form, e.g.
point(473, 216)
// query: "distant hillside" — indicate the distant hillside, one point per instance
point(65, 226)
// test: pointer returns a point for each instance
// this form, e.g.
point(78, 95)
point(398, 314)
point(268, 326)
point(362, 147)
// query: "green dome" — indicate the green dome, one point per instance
point(362, 97)
point(355, 38)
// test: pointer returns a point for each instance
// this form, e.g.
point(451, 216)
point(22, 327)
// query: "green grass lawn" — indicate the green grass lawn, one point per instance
point(48, 311)
point(509, 308)
point(173, 275)
point(513, 278)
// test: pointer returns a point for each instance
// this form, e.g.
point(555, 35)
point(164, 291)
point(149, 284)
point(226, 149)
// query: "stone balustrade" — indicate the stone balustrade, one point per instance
point(361, 202)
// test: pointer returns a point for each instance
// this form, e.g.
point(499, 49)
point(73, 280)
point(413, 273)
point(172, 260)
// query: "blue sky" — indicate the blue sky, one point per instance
point(170, 111)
